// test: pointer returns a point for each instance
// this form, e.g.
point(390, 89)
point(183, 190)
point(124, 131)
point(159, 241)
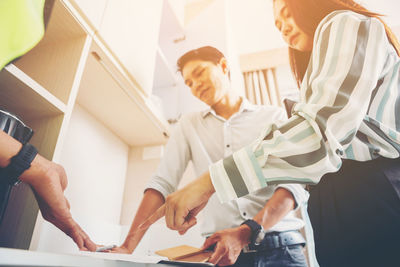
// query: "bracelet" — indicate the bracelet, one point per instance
point(19, 163)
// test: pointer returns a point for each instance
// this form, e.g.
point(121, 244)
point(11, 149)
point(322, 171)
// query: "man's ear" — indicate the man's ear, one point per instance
point(224, 65)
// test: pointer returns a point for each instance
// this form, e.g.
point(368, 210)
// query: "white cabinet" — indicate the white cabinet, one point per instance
point(130, 28)
point(87, 111)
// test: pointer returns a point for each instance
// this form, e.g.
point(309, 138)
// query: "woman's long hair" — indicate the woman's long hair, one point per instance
point(308, 14)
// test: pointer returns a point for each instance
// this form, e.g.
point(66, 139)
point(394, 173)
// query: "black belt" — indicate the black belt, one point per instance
point(276, 240)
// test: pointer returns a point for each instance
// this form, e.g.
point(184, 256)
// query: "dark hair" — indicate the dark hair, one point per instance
point(207, 53)
point(308, 14)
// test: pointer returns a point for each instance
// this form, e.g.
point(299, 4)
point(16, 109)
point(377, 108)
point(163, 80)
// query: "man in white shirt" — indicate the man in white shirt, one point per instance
point(205, 137)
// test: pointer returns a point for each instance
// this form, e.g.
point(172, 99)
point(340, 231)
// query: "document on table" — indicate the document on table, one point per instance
point(123, 257)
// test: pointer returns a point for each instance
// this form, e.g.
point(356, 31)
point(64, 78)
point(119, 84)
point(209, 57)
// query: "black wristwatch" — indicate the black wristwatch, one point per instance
point(257, 231)
point(18, 164)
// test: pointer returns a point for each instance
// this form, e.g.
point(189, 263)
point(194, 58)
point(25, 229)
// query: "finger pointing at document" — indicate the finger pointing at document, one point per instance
point(181, 208)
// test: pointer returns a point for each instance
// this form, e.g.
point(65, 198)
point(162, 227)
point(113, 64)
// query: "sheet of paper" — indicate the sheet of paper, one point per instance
point(123, 257)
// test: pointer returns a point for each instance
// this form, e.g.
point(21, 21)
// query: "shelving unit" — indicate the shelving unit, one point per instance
point(70, 68)
point(110, 96)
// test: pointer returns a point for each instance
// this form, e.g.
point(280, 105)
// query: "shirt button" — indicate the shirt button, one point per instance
point(339, 152)
point(244, 213)
point(228, 146)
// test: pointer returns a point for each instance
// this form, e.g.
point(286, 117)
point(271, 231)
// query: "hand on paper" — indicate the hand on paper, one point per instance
point(228, 244)
point(48, 181)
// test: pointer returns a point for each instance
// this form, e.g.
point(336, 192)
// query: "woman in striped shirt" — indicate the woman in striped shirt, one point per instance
point(345, 130)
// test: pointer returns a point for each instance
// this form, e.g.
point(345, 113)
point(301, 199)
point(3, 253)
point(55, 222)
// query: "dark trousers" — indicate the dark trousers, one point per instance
point(288, 256)
point(355, 214)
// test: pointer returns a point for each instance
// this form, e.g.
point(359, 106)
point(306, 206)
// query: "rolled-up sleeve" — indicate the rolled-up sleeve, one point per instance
point(173, 164)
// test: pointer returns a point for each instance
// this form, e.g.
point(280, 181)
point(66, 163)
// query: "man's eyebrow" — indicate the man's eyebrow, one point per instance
point(196, 70)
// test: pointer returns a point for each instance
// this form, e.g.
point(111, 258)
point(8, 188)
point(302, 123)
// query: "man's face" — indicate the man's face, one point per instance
point(206, 80)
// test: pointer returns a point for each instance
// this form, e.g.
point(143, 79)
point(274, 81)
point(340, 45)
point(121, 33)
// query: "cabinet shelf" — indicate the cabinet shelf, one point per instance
point(23, 96)
point(114, 100)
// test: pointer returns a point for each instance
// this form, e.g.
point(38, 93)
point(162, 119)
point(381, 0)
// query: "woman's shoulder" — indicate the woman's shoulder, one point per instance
point(344, 20)
point(340, 15)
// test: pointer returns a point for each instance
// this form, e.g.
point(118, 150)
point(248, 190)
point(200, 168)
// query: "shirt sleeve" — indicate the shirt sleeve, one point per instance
point(345, 65)
point(300, 195)
point(173, 164)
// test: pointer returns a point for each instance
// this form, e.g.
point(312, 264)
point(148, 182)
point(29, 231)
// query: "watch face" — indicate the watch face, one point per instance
point(260, 237)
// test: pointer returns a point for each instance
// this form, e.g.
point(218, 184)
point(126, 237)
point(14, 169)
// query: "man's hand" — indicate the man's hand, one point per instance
point(48, 181)
point(229, 244)
point(181, 208)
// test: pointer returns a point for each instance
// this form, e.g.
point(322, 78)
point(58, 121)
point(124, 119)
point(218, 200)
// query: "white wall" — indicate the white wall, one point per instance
point(389, 8)
point(95, 161)
point(253, 25)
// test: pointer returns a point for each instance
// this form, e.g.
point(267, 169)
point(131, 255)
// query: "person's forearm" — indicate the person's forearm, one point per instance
point(277, 207)
point(151, 201)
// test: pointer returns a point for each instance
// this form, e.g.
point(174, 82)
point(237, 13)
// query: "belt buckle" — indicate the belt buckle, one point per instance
point(247, 249)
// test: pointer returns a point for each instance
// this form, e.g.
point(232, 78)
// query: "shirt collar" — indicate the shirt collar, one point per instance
point(244, 106)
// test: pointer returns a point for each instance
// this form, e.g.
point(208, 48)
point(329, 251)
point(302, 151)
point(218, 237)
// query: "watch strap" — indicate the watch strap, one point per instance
point(18, 164)
point(254, 227)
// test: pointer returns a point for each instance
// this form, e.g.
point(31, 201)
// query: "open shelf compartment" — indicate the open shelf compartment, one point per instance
point(112, 99)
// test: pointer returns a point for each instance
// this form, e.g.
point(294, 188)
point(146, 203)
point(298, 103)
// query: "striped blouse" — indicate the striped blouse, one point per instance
point(349, 109)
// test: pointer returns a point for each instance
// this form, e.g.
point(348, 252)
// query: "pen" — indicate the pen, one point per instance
point(100, 249)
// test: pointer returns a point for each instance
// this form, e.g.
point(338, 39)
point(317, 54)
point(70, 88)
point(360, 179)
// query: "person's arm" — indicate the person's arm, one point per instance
point(48, 181)
point(230, 242)
point(164, 182)
point(152, 200)
point(334, 102)
point(347, 60)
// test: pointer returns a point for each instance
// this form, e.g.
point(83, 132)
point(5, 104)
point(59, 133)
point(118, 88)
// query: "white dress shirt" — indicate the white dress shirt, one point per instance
point(204, 138)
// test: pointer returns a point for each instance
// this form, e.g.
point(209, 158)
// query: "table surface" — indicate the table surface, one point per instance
point(18, 257)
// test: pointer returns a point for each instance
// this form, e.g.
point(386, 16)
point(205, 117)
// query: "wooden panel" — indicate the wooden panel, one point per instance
point(264, 60)
point(52, 63)
point(46, 132)
point(24, 97)
point(114, 101)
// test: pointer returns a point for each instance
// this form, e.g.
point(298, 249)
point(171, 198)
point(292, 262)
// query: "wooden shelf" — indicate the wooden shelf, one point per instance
point(39, 109)
point(53, 62)
point(114, 100)
point(25, 97)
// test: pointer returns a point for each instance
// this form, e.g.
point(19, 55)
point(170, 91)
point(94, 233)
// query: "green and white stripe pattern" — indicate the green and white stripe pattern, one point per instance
point(349, 109)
